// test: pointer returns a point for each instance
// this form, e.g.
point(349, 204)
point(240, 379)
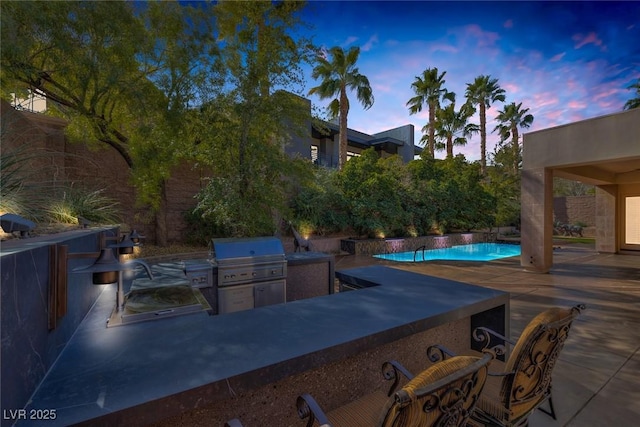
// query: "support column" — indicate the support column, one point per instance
point(537, 220)
point(606, 218)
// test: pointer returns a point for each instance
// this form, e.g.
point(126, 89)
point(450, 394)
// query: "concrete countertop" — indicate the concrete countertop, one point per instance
point(104, 373)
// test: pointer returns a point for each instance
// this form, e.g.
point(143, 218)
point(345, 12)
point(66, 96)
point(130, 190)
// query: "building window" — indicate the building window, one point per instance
point(314, 154)
point(632, 221)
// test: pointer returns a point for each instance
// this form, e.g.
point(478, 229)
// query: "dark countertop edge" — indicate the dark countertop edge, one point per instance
point(12, 246)
point(218, 389)
point(295, 258)
point(173, 405)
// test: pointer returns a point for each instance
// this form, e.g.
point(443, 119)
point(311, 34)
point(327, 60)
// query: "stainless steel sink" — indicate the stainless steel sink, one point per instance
point(159, 302)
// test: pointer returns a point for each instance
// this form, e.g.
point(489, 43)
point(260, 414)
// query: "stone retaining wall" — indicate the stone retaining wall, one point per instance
point(386, 246)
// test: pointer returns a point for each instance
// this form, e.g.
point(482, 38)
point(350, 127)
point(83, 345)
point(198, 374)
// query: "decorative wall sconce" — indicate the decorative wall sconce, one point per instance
point(128, 242)
point(106, 269)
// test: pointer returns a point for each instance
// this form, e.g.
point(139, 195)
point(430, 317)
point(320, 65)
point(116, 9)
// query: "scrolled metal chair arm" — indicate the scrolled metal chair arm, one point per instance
point(481, 334)
point(390, 371)
point(308, 408)
point(437, 353)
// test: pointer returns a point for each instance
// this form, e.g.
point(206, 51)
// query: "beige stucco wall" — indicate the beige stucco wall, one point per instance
point(601, 139)
point(604, 151)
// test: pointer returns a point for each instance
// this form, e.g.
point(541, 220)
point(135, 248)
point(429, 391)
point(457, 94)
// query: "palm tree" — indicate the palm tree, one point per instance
point(511, 118)
point(634, 102)
point(337, 77)
point(452, 127)
point(483, 92)
point(428, 89)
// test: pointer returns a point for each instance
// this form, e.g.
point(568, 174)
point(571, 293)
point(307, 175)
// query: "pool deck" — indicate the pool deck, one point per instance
point(597, 380)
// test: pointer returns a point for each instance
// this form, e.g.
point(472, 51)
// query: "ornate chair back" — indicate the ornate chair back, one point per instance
point(443, 395)
point(533, 359)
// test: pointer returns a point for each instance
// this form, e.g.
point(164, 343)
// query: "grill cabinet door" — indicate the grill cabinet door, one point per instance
point(268, 293)
point(235, 298)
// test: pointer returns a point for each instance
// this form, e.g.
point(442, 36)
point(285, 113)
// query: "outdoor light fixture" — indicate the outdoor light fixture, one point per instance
point(127, 243)
point(105, 270)
point(83, 222)
point(12, 222)
point(135, 237)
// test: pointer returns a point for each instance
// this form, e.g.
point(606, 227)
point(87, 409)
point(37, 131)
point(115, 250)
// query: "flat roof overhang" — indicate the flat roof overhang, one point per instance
point(599, 151)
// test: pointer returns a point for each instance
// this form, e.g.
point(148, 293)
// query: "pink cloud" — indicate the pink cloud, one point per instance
point(382, 88)
point(591, 38)
point(508, 23)
point(510, 88)
point(541, 100)
point(483, 38)
point(443, 47)
point(576, 105)
point(605, 93)
point(558, 57)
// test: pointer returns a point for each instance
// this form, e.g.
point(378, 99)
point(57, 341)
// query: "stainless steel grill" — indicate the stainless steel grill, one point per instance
point(251, 272)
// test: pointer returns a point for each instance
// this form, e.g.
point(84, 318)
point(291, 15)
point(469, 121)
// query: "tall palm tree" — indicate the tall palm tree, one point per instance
point(452, 127)
point(483, 92)
point(429, 90)
point(511, 117)
point(634, 102)
point(338, 76)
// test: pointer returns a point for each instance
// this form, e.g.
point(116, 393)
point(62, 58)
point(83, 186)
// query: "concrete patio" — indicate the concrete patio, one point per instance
point(597, 379)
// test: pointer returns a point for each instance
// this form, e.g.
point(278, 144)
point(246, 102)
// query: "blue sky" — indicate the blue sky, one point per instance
point(565, 61)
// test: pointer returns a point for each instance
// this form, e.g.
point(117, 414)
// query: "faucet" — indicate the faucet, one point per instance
point(141, 263)
point(129, 265)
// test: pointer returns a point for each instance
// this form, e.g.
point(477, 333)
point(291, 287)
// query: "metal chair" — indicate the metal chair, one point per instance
point(444, 394)
point(525, 382)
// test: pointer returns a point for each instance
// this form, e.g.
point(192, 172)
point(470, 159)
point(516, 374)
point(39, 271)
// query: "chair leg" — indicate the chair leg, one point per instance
point(551, 412)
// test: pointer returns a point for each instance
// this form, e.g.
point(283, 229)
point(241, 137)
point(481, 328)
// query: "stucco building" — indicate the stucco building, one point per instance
point(603, 151)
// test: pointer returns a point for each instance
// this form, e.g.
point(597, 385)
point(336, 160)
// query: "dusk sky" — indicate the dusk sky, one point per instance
point(565, 61)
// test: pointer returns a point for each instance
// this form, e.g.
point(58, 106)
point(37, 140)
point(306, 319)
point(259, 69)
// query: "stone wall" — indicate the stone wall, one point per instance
point(29, 346)
point(61, 161)
point(386, 246)
point(575, 209)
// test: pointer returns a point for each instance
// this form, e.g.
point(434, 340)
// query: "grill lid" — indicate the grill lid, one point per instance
point(253, 247)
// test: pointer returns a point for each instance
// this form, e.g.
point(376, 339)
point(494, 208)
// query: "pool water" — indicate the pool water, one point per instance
point(473, 252)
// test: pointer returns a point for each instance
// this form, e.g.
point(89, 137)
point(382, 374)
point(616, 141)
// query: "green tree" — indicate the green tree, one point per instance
point(451, 194)
point(503, 183)
point(339, 75)
point(241, 133)
point(429, 90)
point(483, 92)
point(510, 118)
point(374, 188)
point(634, 102)
point(122, 74)
point(453, 127)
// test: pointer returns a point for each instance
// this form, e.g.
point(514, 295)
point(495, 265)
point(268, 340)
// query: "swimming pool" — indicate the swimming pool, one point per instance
point(472, 252)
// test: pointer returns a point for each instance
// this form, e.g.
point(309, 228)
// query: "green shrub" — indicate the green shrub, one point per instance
point(319, 204)
point(72, 202)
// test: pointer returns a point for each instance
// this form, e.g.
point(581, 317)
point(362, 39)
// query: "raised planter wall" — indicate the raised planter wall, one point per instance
point(406, 244)
point(29, 347)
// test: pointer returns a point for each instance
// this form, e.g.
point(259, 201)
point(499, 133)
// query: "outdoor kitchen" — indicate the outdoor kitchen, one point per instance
point(267, 320)
point(246, 273)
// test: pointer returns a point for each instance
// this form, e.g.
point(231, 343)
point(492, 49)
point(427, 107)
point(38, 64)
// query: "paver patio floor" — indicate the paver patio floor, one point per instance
point(597, 379)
